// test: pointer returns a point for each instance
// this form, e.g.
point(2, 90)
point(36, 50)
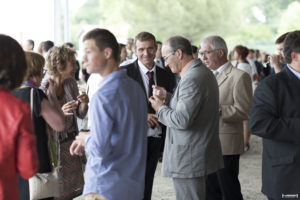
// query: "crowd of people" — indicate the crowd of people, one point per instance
point(193, 108)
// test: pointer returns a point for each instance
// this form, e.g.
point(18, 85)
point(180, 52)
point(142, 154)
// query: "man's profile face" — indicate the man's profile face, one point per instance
point(129, 44)
point(158, 51)
point(280, 52)
point(169, 56)
point(145, 51)
point(94, 59)
point(250, 55)
point(27, 46)
point(209, 56)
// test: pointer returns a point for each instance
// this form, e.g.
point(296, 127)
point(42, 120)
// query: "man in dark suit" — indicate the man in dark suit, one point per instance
point(277, 60)
point(146, 73)
point(275, 116)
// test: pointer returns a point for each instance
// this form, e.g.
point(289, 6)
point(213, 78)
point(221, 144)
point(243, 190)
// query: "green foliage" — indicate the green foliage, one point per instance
point(290, 19)
point(234, 20)
point(89, 13)
point(190, 19)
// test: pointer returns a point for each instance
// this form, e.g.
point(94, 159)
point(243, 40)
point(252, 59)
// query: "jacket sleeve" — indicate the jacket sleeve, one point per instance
point(27, 161)
point(191, 94)
point(267, 122)
point(242, 96)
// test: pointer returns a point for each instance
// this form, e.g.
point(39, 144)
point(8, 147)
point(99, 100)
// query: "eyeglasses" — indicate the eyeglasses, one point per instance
point(205, 53)
point(166, 57)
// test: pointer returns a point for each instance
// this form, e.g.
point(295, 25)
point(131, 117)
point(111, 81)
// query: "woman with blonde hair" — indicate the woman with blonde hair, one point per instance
point(43, 113)
point(61, 66)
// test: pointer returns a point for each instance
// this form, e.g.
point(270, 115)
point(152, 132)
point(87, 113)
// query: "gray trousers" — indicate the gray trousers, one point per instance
point(189, 188)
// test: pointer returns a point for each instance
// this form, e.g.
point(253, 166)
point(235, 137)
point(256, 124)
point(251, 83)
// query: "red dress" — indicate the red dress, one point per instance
point(17, 145)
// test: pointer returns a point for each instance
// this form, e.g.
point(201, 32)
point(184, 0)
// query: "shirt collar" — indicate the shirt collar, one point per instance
point(297, 74)
point(144, 69)
point(112, 76)
point(220, 69)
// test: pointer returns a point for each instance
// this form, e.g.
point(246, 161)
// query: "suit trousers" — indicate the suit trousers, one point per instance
point(189, 188)
point(224, 184)
point(153, 152)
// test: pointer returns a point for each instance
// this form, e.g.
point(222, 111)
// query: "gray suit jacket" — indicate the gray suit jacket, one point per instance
point(192, 146)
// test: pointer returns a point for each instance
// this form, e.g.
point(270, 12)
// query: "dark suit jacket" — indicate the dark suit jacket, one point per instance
point(275, 116)
point(164, 78)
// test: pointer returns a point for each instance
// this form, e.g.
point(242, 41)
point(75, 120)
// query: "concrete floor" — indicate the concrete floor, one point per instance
point(250, 176)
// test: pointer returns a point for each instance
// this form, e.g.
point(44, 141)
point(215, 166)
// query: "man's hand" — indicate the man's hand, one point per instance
point(275, 62)
point(156, 102)
point(152, 121)
point(159, 92)
point(77, 147)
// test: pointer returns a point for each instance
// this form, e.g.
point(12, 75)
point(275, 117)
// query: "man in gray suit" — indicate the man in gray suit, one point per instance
point(192, 146)
point(235, 90)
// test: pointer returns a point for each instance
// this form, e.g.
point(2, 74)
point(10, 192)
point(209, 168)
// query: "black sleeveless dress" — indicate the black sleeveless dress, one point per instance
point(39, 125)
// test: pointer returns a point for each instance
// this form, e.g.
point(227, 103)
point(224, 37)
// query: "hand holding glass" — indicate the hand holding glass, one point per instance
point(159, 92)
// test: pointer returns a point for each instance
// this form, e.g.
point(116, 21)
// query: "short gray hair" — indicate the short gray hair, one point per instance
point(179, 42)
point(216, 42)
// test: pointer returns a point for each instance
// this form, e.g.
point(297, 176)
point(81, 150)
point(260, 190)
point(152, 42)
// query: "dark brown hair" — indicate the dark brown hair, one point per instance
point(104, 39)
point(35, 63)
point(145, 36)
point(291, 44)
point(12, 63)
point(281, 38)
point(242, 51)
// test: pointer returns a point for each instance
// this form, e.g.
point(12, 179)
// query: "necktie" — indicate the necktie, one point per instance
point(151, 82)
point(216, 73)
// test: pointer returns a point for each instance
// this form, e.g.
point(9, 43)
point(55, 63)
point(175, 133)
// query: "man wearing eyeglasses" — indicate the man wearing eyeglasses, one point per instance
point(147, 73)
point(234, 103)
point(192, 147)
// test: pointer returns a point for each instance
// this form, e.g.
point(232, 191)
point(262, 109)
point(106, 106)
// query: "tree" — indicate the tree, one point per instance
point(290, 18)
point(234, 20)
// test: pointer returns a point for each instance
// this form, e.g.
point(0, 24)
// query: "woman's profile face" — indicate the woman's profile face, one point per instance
point(235, 55)
point(69, 71)
point(38, 79)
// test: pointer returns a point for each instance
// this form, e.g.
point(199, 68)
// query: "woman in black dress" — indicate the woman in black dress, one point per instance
point(43, 113)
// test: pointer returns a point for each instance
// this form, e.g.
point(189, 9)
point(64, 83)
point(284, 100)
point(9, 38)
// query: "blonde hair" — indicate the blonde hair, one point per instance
point(35, 63)
point(57, 59)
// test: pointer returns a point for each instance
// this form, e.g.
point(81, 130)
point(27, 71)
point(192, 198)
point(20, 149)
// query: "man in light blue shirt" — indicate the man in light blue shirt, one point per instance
point(116, 143)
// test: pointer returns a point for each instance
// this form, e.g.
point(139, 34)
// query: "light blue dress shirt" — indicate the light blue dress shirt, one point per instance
point(297, 74)
point(117, 144)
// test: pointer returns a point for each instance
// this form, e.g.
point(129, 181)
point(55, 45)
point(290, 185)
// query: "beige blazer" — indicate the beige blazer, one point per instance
point(235, 95)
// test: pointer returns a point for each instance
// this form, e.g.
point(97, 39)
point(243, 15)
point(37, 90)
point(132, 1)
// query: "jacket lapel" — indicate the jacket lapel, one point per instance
point(137, 75)
point(224, 74)
point(160, 79)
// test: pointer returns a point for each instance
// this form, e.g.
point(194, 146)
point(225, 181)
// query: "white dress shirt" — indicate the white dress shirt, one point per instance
point(154, 132)
point(220, 69)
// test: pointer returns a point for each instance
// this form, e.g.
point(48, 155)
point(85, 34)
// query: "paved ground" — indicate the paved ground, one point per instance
point(250, 176)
